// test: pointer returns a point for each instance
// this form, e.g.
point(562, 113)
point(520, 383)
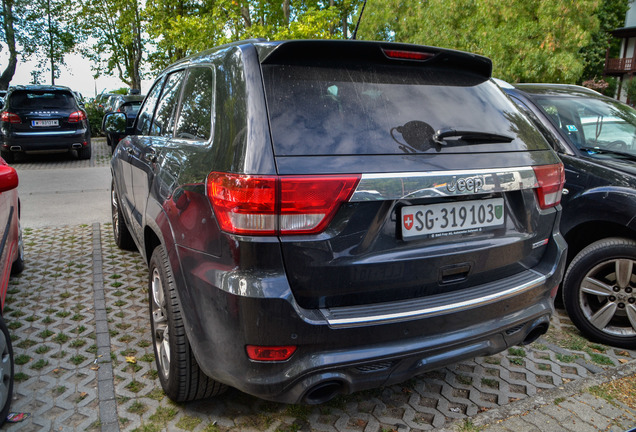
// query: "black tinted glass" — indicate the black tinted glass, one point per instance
point(163, 124)
point(195, 119)
point(387, 110)
point(144, 119)
point(42, 99)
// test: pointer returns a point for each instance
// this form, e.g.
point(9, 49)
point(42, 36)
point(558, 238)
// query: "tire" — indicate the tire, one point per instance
point(18, 265)
point(599, 292)
point(122, 235)
point(84, 153)
point(6, 371)
point(179, 373)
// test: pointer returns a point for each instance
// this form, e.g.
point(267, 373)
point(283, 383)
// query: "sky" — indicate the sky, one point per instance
point(77, 75)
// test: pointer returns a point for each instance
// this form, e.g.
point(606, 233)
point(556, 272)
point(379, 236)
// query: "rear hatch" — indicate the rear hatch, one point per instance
point(447, 196)
point(44, 111)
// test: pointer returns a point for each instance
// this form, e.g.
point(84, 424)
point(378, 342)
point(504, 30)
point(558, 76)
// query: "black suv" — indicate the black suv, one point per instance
point(322, 217)
point(595, 137)
point(43, 119)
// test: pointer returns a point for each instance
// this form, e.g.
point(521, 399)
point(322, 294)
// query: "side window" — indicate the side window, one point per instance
point(144, 118)
point(547, 134)
point(195, 118)
point(163, 124)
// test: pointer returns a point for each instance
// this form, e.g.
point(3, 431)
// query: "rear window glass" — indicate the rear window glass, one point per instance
point(387, 110)
point(42, 99)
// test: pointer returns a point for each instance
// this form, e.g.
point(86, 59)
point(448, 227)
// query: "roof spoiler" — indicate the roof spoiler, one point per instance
point(312, 52)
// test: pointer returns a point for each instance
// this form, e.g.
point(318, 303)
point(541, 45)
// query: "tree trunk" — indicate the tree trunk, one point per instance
point(286, 11)
point(9, 71)
point(48, 4)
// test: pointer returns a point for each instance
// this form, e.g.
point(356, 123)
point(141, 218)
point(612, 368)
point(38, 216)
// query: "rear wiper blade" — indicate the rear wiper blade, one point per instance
point(614, 152)
point(466, 135)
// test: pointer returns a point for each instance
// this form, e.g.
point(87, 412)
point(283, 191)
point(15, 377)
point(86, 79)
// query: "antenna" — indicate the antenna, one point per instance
point(355, 31)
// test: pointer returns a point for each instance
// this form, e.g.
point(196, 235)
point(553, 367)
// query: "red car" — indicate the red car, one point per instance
point(11, 262)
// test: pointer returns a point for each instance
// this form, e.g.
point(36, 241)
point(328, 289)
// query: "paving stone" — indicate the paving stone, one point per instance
point(65, 314)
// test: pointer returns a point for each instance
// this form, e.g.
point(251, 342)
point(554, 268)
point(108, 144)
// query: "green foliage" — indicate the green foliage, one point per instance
point(179, 28)
point(611, 15)
point(527, 41)
point(95, 116)
point(631, 90)
point(116, 26)
point(48, 33)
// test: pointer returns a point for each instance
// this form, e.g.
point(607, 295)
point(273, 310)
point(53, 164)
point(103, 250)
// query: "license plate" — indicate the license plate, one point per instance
point(445, 219)
point(44, 123)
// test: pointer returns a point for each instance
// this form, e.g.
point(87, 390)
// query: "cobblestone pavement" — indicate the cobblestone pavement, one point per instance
point(100, 157)
point(84, 361)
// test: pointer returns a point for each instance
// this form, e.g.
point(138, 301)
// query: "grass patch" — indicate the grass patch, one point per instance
point(135, 386)
point(188, 422)
point(489, 382)
point(566, 358)
point(137, 408)
point(40, 364)
point(21, 359)
point(164, 414)
point(61, 338)
point(20, 377)
point(26, 344)
point(46, 333)
point(516, 360)
point(77, 359)
point(42, 349)
point(601, 359)
point(517, 352)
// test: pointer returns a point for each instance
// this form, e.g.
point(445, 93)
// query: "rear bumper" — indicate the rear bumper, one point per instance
point(227, 310)
point(42, 142)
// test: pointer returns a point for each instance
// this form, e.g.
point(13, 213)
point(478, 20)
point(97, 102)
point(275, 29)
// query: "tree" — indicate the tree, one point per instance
point(116, 28)
point(48, 33)
point(535, 40)
point(8, 36)
point(183, 27)
point(611, 15)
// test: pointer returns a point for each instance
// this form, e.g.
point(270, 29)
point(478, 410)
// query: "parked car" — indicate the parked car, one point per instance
point(128, 104)
point(595, 137)
point(43, 119)
point(12, 253)
point(323, 217)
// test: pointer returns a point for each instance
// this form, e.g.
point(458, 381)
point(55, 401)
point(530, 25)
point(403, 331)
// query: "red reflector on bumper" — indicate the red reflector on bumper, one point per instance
point(270, 353)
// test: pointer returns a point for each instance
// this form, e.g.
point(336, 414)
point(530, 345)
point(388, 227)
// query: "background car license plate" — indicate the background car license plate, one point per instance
point(41, 123)
point(452, 218)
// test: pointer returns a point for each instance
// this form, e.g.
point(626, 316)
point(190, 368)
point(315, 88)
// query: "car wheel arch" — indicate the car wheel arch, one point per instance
point(585, 233)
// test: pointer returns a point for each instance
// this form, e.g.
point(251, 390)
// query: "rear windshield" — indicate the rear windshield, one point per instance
point(387, 110)
point(42, 99)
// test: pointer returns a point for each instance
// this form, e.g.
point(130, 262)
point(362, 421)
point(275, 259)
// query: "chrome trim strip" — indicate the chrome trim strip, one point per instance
point(412, 185)
point(427, 312)
point(48, 133)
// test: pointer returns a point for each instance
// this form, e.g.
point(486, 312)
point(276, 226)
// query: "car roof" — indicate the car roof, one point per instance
point(34, 87)
point(557, 90)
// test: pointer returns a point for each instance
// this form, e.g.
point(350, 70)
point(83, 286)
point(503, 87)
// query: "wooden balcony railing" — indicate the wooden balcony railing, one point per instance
point(620, 66)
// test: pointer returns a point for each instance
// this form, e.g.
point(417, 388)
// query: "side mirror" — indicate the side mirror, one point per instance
point(8, 178)
point(114, 123)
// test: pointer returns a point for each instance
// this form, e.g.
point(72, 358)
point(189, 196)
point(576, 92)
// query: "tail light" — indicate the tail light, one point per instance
point(76, 116)
point(270, 353)
point(550, 179)
point(10, 117)
point(407, 55)
point(272, 205)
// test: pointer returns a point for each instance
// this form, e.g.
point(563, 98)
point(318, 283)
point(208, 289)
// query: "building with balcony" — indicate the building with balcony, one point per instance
point(624, 67)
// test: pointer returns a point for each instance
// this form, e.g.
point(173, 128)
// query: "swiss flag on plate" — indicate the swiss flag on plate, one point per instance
point(408, 221)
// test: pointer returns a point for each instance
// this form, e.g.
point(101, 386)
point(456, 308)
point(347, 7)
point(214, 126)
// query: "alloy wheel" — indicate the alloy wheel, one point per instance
point(161, 328)
point(607, 297)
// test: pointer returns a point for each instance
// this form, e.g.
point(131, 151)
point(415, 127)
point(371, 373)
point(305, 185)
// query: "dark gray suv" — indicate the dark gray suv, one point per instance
point(43, 119)
point(323, 217)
